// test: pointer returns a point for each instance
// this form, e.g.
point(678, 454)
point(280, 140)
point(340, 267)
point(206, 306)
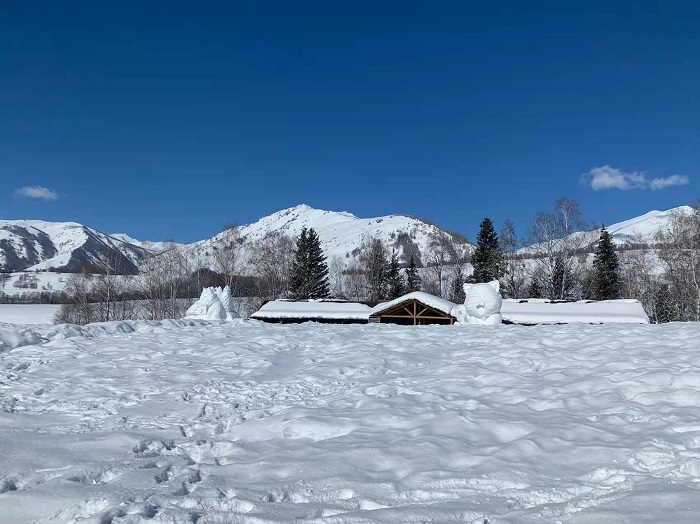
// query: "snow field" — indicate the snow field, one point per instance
point(251, 422)
point(34, 314)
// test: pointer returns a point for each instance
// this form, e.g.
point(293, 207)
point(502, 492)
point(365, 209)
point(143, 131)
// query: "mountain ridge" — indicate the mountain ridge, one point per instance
point(36, 245)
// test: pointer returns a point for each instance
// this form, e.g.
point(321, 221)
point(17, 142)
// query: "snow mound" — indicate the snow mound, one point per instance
point(12, 337)
point(214, 304)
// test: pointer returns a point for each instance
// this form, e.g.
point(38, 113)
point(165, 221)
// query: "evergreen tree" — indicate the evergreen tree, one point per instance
point(396, 284)
point(534, 289)
point(488, 257)
point(457, 294)
point(606, 268)
point(374, 260)
point(309, 271)
point(413, 279)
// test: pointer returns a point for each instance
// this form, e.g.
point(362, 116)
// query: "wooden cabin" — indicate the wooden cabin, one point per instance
point(415, 309)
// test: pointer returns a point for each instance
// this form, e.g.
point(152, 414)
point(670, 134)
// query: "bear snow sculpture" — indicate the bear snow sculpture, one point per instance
point(482, 304)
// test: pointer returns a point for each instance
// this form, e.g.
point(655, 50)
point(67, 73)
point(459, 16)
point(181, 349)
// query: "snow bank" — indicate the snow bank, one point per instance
point(15, 336)
point(313, 309)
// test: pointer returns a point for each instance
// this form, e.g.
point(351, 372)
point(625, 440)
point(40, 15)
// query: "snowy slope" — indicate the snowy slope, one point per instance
point(341, 233)
point(153, 247)
point(639, 229)
point(645, 226)
point(173, 422)
point(35, 245)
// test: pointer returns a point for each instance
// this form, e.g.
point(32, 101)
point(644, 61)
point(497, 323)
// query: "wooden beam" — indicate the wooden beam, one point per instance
point(417, 318)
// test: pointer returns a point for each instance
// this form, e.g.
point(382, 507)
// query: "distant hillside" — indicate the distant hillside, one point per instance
point(342, 233)
point(35, 245)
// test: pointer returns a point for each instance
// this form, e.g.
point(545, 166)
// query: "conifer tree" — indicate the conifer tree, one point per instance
point(309, 271)
point(606, 268)
point(413, 280)
point(374, 260)
point(397, 286)
point(488, 257)
point(457, 294)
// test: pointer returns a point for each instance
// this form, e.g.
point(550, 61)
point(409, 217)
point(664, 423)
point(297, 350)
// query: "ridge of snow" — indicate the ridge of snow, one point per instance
point(341, 233)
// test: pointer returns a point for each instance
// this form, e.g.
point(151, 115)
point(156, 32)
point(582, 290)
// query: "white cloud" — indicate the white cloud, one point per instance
point(673, 180)
point(40, 192)
point(606, 177)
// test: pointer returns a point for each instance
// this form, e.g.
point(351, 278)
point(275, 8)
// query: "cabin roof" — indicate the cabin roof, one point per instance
point(312, 309)
point(445, 306)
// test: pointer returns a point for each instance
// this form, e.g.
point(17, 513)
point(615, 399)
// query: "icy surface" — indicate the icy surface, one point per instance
point(252, 422)
point(313, 309)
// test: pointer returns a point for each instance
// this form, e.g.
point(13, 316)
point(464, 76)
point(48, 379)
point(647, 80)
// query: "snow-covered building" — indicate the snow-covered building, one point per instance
point(414, 309)
point(419, 308)
point(542, 311)
point(325, 311)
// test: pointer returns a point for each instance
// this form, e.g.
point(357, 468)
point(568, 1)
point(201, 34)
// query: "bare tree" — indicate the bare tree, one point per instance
point(514, 280)
point(355, 282)
point(640, 275)
point(679, 252)
point(272, 258)
point(163, 282)
point(336, 267)
point(557, 241)
point(77, 305)
point(444, 253)
point(226, 254)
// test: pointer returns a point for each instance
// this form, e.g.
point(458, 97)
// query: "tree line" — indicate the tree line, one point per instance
point(560, 260)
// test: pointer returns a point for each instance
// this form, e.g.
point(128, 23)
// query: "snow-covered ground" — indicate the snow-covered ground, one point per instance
point(30, 314)
point(251, 422)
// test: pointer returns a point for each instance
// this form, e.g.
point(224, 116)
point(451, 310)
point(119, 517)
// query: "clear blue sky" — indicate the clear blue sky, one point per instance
point(171, 119)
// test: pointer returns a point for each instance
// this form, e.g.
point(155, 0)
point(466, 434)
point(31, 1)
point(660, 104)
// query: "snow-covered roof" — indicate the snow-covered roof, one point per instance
point(530, 311)
point(542, 311)
point(424, 298)
point(313, 309)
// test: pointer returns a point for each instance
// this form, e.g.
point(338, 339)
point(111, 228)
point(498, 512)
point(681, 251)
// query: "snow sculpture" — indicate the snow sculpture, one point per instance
point(213, 304)
point(482, 304)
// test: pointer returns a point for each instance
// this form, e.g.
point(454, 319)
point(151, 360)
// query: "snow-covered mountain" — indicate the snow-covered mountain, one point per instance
point(342, 233)
point(35, 245)
point(645, 227)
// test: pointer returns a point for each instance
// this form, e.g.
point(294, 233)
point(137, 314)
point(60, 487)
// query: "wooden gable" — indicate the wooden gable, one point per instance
point(415, 313)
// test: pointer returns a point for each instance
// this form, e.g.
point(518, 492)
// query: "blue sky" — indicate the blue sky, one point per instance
point(168, 120)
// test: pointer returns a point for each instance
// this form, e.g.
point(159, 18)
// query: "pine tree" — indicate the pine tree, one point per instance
point(309, 271)
point(457, 294)
point(413, 280)
point(375, 266)
point(488, 257)
point(606, 268)
point(396, 284)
